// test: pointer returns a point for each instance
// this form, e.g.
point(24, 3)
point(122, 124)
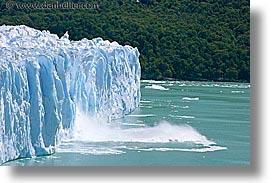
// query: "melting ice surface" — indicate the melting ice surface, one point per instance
point(43, 78)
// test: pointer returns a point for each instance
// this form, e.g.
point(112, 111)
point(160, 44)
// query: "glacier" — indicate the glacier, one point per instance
point(45, 79)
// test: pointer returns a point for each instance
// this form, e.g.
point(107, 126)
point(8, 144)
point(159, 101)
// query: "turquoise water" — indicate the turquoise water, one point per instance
point(178, 123)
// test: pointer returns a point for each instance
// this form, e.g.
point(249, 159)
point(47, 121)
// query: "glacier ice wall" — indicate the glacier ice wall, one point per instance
point(44, 79)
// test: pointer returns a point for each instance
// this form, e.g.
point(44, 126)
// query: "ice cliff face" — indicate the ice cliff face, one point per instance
point(44, 79)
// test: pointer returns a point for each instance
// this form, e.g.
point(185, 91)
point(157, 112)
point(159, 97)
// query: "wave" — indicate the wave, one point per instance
point(168, 84)
point(176, 106)
point(88, 150)
point(146, 106)
point(213, 84)
point(204, 149)
point(145, 101)
point(187, 117)
point(156, 87)
point(141, 115)
point(133, 124)
point(153, 81)
point(190, 98)
point(237, 91)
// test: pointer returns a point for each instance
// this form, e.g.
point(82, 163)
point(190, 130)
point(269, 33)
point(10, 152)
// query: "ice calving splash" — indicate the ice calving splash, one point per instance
point(43, 78)
point(161, 137)
point(96, 130)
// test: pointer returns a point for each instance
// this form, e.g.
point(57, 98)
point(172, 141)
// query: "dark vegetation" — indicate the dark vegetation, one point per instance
point(180, 39)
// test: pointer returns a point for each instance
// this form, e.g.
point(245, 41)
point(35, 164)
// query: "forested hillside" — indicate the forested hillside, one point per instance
point(179, 39)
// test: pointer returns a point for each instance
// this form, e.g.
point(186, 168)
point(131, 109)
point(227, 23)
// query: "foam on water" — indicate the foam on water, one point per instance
point(205, 149)
point(90, 150)
point(190, 98)
point(154, 82)
point(213, 84)
point(237, 91)
point(141, 115)
point(187, 117)
point(156, 87)
point(177, 106)
point(132, 124)
point(145, 101)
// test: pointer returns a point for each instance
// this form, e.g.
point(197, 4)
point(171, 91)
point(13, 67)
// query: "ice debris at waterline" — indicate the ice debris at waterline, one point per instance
point(43, 78)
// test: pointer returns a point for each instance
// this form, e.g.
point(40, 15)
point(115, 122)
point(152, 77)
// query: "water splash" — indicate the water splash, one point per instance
point(97, 130)
point(97, 136)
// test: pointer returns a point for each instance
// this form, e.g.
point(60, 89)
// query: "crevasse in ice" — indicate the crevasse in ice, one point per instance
point(44, 79)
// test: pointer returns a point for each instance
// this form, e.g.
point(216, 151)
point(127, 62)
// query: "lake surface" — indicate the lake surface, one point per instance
point(178, 123)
